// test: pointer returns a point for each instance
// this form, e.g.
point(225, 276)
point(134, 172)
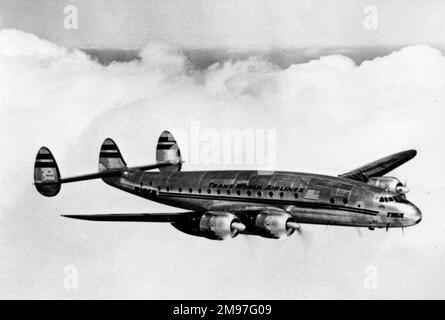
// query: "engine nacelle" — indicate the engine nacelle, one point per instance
point(220, 225)
point(275, 225)
point(389, 184)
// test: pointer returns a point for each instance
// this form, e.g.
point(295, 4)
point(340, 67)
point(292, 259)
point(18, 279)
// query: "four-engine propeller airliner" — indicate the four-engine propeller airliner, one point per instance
point(223, 204)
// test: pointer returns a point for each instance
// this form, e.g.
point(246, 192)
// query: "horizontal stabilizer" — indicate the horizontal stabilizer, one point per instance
point(158, 165)
point(135, 217)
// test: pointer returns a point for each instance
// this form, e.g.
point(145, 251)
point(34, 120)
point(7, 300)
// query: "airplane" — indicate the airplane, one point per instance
point(224, 204)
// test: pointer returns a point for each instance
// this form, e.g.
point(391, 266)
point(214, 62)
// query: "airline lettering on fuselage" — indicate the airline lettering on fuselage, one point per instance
point(395, 215)
point(243, 186)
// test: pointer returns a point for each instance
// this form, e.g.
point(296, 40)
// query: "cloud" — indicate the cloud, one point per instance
point(330, 115)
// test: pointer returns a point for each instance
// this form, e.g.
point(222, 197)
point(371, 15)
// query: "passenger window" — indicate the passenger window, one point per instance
point(238, 192)
point(209, 191)
point(296, 195)
point(259, 193)
point(228, 191)
point(391, 199)
point(345, 201)
point(332, 200)
point(281, 194)
point(271, 194)
point(199, 190)
point(218, 191)
point(249, 193)
point(180, 189)
point(167, 188)
point(190, 190)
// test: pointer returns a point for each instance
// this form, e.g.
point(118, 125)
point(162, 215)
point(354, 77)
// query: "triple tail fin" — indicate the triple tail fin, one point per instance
point(47, 177)
point(167, 150)
point(46, 173)
point(110, 157)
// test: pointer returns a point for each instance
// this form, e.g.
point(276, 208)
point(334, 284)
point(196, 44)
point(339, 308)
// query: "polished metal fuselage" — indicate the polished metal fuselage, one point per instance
point(309, 198)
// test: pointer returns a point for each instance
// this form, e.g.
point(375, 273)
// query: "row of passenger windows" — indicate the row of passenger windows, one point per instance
point(238, 192)
point(218, 191)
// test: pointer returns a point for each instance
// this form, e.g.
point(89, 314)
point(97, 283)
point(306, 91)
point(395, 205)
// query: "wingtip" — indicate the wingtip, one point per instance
point(411, 153)
point(70, 216)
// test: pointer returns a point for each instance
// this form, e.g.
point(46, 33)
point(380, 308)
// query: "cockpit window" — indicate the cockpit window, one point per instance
point(391, 199)
point(400, 199)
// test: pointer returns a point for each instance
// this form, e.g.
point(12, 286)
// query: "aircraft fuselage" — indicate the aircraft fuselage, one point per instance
point(309, 198)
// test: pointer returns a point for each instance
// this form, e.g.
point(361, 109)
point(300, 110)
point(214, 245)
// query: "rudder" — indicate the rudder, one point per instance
point(46, 173)
point(110, 157)
point(167, 150)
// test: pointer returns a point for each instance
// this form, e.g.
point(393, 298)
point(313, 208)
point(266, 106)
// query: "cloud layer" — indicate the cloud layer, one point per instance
point(330, 115)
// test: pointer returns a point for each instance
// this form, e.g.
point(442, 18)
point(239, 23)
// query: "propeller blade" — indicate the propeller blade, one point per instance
point(306, 239)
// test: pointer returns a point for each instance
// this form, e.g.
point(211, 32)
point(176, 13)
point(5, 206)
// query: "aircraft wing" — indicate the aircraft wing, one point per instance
point(379, 167)
point(135, 217)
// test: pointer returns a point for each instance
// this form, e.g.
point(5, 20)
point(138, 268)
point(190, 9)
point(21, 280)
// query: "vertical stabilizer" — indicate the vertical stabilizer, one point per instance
point(168, 150)
point(46, 173)
point(110, 157)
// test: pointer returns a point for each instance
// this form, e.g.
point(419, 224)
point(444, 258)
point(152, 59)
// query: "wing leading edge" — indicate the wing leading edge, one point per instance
point(135, 217)
point(379, 167)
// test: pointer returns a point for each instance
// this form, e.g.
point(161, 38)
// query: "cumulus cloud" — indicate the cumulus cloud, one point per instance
point(330, 115)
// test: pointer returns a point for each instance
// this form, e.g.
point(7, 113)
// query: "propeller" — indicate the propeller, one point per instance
point(305, 236)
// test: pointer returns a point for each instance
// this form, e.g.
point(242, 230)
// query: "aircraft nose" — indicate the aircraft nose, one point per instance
point(415, 213)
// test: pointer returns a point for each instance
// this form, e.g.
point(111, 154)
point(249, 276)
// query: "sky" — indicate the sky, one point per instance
point(230, 23)
point(329, 115)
